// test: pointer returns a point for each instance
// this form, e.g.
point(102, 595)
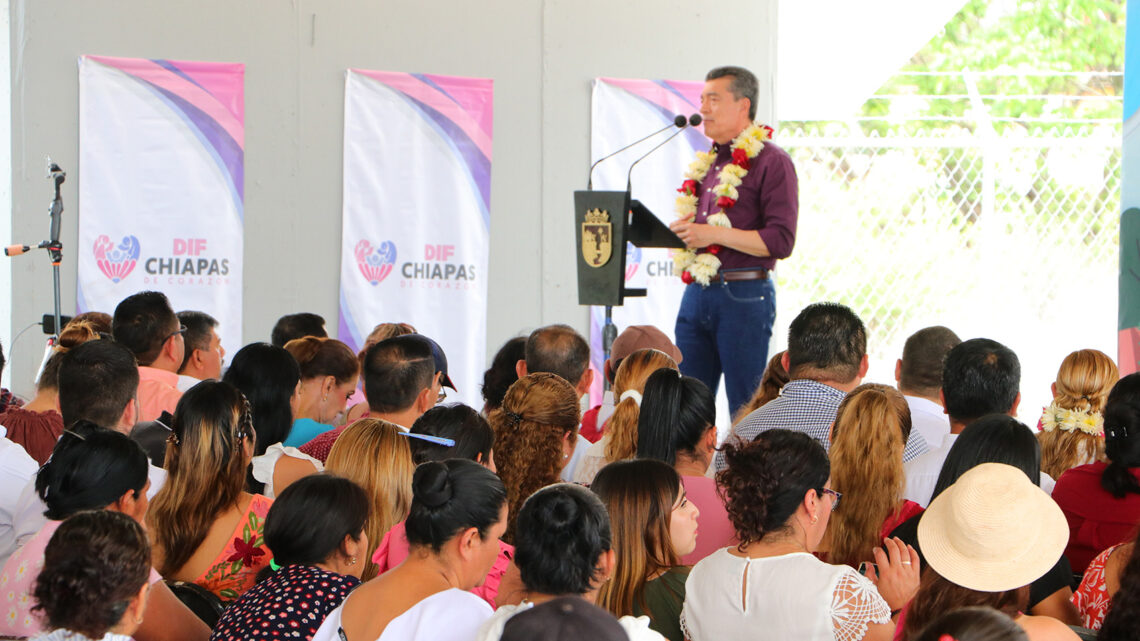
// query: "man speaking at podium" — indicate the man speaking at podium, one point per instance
point(736, 213)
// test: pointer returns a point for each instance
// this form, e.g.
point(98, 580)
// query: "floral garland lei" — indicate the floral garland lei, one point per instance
point(702, 265)
point(1058, 418)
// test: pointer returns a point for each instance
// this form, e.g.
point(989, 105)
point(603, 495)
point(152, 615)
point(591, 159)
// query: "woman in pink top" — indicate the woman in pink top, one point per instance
point(677, 425)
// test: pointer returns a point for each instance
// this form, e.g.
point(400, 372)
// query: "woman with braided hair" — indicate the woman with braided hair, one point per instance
point(535, 431)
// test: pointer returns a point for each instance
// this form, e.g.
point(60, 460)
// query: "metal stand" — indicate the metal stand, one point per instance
point(609, 335)
point(53, 246)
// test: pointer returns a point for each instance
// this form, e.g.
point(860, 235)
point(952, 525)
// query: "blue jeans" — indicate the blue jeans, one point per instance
point(725, 328)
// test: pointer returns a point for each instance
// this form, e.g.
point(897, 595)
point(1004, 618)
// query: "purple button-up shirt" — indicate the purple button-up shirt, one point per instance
point(768, 203)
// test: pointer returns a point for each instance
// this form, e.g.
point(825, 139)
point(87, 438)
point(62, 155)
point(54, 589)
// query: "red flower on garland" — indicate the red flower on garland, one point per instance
point(244, 552)
point(689, 187)
point(714, 249)
point(725, 203)
point(771, 132)
point(740, 159)
point(686, 277)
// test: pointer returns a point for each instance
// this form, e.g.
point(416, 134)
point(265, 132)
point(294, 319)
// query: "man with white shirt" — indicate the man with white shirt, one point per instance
point(919, 377)
point(17, 469)
point(204, 354)
point(98, 381)
point(979, 377)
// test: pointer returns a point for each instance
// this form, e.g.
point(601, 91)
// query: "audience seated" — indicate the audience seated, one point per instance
point(37, 425)
point(270, 379)
point(472, 439)
point(563, 619)
point(94, 581)
point(773, 380)
point(358, 402)
point(867, 468)
point(403, 378)
point(564, 550)
point(595, 421)
point(999, 438)
point(558, 349)
point(678, 427)
point(458, 513)
point(145, 324)
point(918, 375)
point(979, 377)
point(1072, 426)
point(535, 430)
point(777, 495)
point(315, 531)
point(204, 354)
point(502, 373)
point(293, 326)
point(329, 371)
point(826, 359)
point(977, 623)
point(91, 468)
point(619, 442)
point(653, 525)
point(206, 529)
point(986, 538)
point(375, 455)
point(1101, 501)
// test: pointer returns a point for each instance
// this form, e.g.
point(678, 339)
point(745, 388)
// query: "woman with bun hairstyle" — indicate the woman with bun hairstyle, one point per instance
point(867, 441)
point(458, 513)
point(374, 454)
point(91, 468)
point(1101, 501)
point(38, 425)
point(653, 525)
point(1072, 426)
point(564, 548)
point(777, 491)
point(502, 373)
point(678, 427)
point(95, 578)
point(206, 529)
point(329, 371)
point(535, 432)
point(315, 531)
point(619, 442)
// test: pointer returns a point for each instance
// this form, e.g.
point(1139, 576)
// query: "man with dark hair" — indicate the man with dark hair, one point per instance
point(293, 326)
point(919, 377)
point(826, 358)
point(737, 215)
point(559, 349)
point(145, 324)
point(979, 377)
point(404, 377)
point(204, 352)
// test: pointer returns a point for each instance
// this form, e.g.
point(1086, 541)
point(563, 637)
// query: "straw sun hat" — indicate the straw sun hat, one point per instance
point(993, 530)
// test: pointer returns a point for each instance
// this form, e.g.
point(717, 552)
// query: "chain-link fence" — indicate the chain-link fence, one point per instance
point(1011, 236)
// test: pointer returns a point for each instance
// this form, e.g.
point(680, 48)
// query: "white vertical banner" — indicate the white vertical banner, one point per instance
point(161, 188)
point(417, 189)
point(623, 110)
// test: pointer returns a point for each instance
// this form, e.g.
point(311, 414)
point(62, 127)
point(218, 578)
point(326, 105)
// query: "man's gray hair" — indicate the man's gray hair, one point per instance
point(743, 85)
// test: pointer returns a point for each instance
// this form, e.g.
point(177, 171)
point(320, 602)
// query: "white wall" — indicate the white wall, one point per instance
point(541, 54)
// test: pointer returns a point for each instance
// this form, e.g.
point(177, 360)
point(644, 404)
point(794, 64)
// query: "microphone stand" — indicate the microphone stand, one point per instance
point(53, 245)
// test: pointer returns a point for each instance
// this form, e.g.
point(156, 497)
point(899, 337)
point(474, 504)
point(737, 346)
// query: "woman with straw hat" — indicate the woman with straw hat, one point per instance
point(985, 539)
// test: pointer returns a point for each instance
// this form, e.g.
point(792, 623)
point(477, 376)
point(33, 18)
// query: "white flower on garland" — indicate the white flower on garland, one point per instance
point(1058, 418)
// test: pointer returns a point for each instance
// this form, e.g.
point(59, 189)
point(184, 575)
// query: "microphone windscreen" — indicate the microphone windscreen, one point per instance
point(14, 250)
point(679, 121)
point(695, 120)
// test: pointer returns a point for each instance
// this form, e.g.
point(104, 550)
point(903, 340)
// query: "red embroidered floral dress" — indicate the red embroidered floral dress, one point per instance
point(236, 568)
point(1092, 598)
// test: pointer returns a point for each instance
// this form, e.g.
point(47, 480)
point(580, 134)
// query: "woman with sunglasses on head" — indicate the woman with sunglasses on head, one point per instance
point(770, 586)
point(206, 528)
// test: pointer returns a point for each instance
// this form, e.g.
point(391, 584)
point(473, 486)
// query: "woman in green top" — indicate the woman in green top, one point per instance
point(654, 525)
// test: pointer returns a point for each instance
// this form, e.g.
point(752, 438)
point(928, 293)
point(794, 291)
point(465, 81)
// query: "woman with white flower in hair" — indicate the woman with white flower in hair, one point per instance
point(1072, 426)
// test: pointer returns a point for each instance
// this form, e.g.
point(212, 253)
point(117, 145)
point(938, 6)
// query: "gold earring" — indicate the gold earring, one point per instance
point(352, 561)
point(814, 519)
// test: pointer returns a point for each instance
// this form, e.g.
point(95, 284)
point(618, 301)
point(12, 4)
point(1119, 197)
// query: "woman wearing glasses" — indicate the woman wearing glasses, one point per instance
point(770, 586)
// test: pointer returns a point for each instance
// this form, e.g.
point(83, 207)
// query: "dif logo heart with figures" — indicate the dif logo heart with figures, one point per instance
point(116, 262)
point(632, 261)
point(375, 262)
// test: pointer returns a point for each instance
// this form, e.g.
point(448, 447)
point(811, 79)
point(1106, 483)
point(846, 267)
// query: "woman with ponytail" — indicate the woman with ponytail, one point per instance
point(329, 371)
point(458, 513)
point(1101, 501)
point(678, 427)
point(619, 443)
point(867, 441)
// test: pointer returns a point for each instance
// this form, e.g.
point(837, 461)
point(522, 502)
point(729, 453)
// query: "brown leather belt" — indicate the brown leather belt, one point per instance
point(741, 274)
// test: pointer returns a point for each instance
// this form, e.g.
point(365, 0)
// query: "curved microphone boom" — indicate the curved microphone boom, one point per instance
point(629, 176)
point(678, 121)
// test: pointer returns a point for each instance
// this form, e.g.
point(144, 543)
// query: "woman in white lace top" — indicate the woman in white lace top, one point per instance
point(770, 586)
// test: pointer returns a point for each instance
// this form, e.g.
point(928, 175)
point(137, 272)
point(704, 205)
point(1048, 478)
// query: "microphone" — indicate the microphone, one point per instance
point(678, 121)
point(629, 177)
point(16, 250)
point(695, 120)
